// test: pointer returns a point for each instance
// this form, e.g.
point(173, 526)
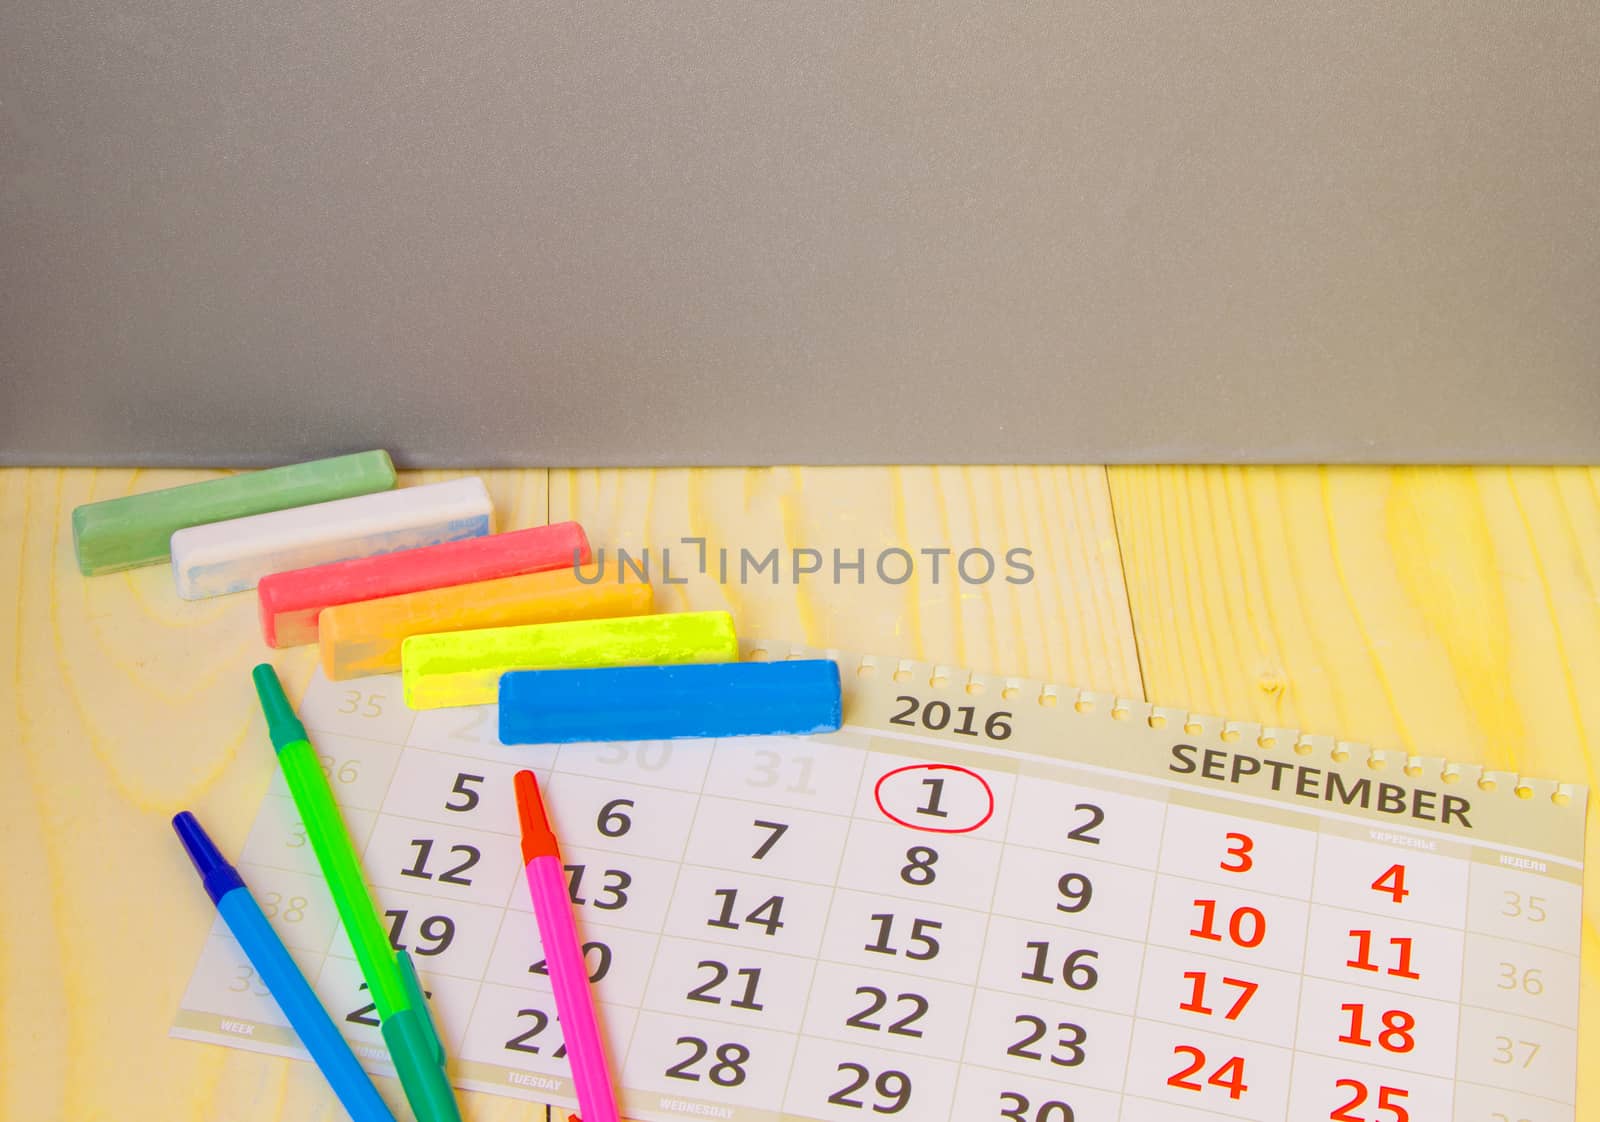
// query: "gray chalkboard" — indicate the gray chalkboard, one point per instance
point(505, 231)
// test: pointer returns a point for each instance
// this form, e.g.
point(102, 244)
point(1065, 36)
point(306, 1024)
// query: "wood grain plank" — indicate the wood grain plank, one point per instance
point(126, 705)
point(1442, 611)
point(1067, 622)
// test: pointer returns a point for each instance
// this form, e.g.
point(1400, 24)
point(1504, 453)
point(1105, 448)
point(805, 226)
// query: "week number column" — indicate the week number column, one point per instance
point(1519, 991)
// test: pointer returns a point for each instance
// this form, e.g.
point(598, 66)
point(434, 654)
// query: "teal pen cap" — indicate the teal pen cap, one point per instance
point(417, 1052)
point(283, 725)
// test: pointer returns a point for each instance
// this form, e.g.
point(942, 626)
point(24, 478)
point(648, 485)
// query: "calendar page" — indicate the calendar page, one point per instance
point(984, 898)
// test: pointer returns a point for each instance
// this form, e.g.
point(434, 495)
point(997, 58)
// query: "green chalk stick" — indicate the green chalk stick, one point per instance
point(464, 667)
point(137, 529)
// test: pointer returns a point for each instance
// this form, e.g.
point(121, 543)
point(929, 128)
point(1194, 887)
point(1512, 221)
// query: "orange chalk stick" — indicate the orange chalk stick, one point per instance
point(364, 637)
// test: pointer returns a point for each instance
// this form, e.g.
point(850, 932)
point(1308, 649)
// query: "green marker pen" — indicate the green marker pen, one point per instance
point(402, 1008)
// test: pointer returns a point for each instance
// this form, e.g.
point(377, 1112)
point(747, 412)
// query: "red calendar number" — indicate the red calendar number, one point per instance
point(1240, 851)
point(1388, 1099)
point(1402, 956)
point(1197, 995)
point(1246, 926)
point(1396, 1034)
point(1393, 883)
point(1229, 1076)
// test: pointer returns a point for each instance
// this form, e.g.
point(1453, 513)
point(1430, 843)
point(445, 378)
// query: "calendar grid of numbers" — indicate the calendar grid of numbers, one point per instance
point(984, 898)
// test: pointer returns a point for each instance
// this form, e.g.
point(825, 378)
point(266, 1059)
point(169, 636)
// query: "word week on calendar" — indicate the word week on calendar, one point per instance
point(984, 898)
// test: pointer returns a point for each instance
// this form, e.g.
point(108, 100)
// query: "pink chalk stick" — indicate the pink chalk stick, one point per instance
point(292, 601)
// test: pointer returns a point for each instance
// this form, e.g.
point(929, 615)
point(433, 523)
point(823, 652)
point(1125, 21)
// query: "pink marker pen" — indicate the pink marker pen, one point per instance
point(569, 974)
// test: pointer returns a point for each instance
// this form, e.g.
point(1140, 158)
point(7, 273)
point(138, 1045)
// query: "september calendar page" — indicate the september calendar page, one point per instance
point(984, 898)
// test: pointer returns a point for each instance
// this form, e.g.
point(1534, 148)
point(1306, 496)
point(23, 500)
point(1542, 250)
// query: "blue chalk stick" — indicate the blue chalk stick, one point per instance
point(666, 702)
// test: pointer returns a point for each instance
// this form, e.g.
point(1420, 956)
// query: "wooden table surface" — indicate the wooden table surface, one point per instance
point(1441, 611)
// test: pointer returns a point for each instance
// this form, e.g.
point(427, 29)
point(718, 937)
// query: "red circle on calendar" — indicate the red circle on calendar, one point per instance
point(942, 811)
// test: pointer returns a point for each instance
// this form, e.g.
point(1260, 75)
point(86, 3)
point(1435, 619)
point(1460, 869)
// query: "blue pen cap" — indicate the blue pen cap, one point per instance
point(216, 874)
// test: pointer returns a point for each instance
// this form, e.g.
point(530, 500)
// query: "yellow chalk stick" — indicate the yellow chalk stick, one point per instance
point(464, 667)
point(364, 637)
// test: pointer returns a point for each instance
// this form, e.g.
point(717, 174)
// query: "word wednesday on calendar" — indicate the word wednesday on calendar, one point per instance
point(984, 898)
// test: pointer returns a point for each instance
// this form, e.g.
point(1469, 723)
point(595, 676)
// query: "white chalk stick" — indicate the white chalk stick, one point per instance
point(232, 556)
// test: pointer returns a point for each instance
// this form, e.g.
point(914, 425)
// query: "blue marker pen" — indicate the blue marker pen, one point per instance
point(280, 975)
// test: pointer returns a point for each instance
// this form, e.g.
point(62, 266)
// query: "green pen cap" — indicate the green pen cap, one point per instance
point(283, 726)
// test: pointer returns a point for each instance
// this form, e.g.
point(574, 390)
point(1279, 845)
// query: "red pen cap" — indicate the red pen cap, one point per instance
point(538, 840)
